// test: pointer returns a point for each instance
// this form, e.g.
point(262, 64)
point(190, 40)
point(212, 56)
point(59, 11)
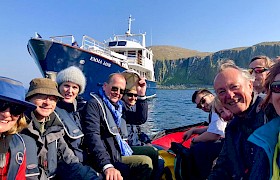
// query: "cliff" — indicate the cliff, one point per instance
point(198, 68)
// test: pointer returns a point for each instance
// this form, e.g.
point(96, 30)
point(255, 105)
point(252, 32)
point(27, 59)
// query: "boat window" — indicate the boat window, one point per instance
point(113, 43)
point(121, 43)
point(131, 54)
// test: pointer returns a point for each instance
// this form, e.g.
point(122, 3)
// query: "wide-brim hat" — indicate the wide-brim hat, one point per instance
point(43, 86)
point(13, 91)
point(132, 79)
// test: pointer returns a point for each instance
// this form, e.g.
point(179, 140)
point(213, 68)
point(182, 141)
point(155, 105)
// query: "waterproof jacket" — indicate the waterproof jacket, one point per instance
point(136, 115)
point(72, 127)
point(266, 137)
point(52, 149)
point(237, 155)
point(17, 159)
point(100, 143)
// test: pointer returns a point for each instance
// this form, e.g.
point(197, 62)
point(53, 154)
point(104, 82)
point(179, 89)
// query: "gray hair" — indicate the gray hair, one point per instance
point(230, 64)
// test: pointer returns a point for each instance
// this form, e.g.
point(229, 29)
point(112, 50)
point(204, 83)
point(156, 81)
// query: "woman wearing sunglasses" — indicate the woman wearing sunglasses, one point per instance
point(267, 137)
point(134, 101)
point(12, 121)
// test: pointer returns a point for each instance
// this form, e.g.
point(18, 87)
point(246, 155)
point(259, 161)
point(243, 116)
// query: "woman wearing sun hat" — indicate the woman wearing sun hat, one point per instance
point(134, 101)
point(12, 121)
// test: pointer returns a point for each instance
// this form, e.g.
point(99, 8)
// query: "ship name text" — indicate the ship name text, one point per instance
point(100, 61)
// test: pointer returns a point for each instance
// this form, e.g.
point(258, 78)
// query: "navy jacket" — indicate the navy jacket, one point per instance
point(100, 145)
point(72, 127)
point(238, 155)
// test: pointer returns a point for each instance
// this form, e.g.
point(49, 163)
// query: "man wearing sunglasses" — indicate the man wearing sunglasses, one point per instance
point(234, 88)
point(105, 129)
point(259, 68)
point(207, 145)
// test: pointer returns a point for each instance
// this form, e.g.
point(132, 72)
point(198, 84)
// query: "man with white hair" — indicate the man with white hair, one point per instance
point(234, 88)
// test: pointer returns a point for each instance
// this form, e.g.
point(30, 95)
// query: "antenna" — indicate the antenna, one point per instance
point(129, 25)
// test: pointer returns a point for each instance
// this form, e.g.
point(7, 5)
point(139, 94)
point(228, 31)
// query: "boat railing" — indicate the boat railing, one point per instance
point(137, 59)
point(91, 44)
point(66, 39)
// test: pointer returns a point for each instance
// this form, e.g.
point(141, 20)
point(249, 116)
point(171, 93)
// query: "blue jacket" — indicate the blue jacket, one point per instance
point(266, 137)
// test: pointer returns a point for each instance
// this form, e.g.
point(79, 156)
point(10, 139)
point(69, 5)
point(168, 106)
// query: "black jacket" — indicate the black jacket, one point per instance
point(238, 155)
point(100, 145)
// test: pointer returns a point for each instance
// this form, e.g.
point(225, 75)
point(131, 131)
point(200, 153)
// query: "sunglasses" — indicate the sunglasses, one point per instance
point(15, 109)
point(257, 70)
point(132, 95)
point(275, 87)
point(116, 89)
point(201, 102)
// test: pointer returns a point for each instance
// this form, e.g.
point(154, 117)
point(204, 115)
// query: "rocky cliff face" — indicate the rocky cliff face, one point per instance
point(201, 70)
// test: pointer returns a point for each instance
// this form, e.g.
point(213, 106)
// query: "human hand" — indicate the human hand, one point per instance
point(187, 135)
point(113, 174)
point(142, 86)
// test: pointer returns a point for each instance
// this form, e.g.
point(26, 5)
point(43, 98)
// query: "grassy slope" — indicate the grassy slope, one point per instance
point(173, 53)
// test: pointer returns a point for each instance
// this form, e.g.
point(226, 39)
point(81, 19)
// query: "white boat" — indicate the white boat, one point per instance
point(96, 59)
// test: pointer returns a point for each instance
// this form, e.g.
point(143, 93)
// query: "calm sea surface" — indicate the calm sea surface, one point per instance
point(170, 109)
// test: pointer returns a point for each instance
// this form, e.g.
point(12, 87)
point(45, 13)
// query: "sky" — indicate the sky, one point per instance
point(202, 25)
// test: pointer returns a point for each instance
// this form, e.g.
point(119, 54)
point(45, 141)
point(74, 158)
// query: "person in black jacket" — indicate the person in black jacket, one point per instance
point(105, 129)
point(135, 113)
point(71, 82)
point(234, 88)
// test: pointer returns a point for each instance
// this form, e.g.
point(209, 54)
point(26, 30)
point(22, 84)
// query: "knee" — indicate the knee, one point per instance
point(147, 160)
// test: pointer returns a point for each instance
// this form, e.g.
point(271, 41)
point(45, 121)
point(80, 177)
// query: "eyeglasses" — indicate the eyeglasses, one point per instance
point(131, 95)
point(257, 70)
point(201, 102)
point(275, 87)
point(44, 97)
point(116, 89)
point(15, 109)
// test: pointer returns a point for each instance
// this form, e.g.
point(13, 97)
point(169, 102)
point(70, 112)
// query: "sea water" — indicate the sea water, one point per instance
point(171, 109)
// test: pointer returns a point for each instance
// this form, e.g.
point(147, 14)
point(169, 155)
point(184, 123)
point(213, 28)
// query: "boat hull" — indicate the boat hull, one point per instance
point(53, 57)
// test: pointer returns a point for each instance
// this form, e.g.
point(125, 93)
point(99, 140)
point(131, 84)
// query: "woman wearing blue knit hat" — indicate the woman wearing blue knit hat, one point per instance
point(12, 121)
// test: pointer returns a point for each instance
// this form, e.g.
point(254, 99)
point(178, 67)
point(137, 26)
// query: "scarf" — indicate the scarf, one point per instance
point(117, 115)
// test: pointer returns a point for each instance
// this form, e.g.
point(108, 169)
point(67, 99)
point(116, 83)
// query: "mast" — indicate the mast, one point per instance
point(128, 32)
